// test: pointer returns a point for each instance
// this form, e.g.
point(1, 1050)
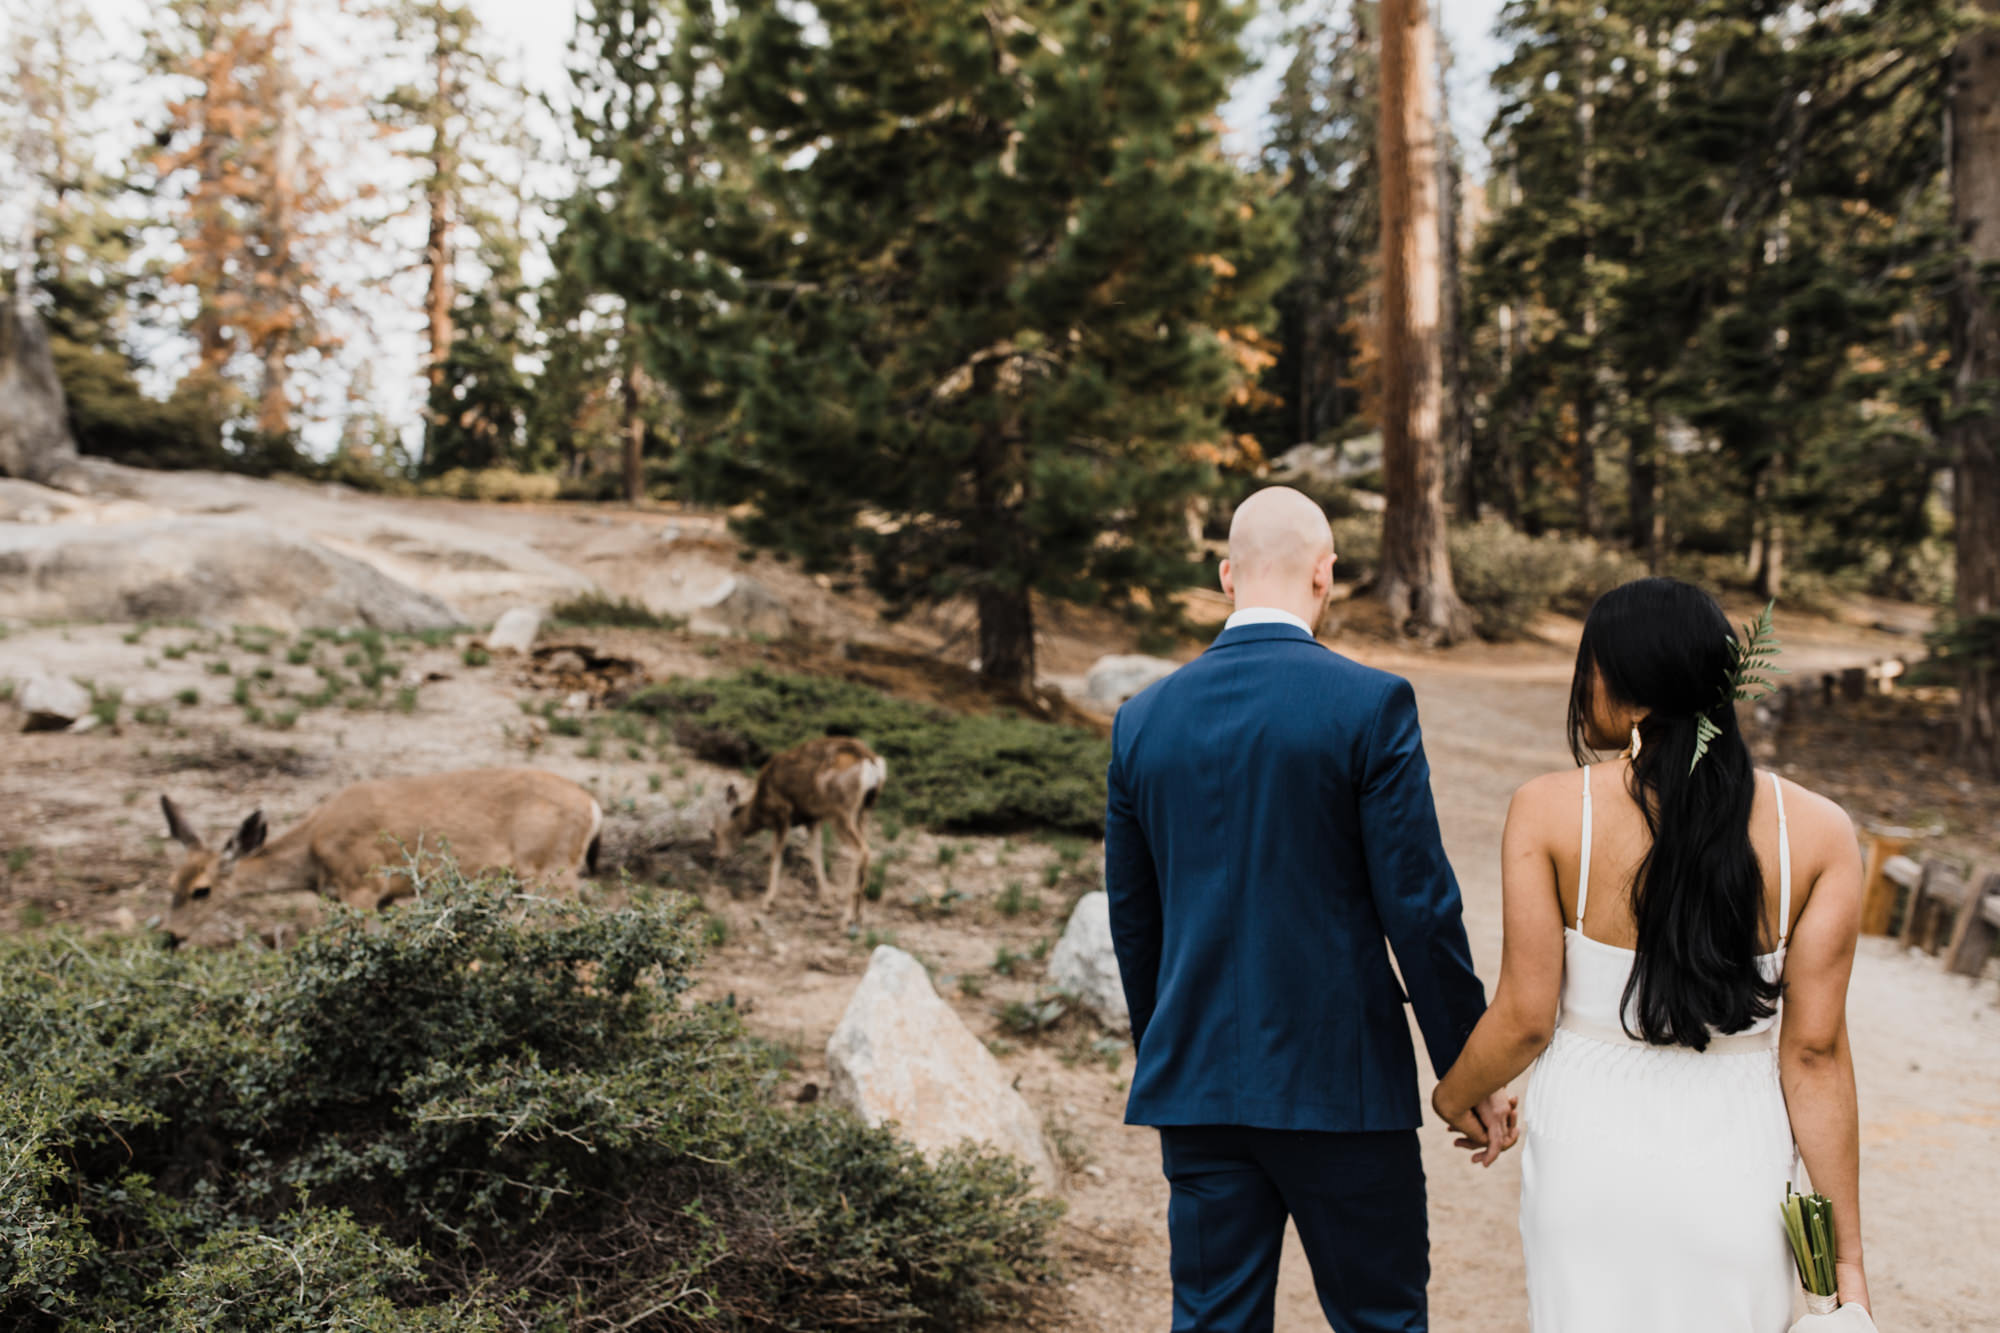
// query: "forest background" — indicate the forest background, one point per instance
point(1013, 301)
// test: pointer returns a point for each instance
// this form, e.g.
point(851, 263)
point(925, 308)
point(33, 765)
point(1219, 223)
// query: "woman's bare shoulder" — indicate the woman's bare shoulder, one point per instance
point(1551, 791)
point(1818, 823)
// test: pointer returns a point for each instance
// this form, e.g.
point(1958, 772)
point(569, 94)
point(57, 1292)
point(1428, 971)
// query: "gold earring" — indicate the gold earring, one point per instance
point(1635, 741)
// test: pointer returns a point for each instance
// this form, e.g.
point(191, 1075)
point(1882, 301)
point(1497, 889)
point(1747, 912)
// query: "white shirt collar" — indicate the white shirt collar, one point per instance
point(1265, 615)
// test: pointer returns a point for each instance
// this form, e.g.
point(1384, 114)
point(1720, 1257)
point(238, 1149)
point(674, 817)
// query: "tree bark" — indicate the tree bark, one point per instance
point(1587, 387)
point(1415, 579)
point(437, 194)
point(1975, 434)
point(274, 407)
point(1643, 494)
point(1004, 596)
point(1460, 481)
point(635, 426)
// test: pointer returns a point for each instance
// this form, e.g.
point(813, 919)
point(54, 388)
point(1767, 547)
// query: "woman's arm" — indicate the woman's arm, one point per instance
point(1521, 1019)
point(1814, 1062)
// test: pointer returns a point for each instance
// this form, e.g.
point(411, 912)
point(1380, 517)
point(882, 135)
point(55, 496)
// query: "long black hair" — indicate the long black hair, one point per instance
point(1698, 897)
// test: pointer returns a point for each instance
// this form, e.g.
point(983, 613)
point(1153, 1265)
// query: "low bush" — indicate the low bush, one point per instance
point(493, 483)
point(478, 1111)
point(952, 772)
point(1506, 577)
point(597, 608)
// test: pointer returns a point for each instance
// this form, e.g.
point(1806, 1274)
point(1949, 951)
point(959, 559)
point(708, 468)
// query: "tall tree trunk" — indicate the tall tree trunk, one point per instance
point(1975, 435)
point(1587, 386)
point(1643, 493)
point(635, 424)
point(1459, 480)
point(1767, 550)
point(437, 194)
point(1004, 598)
point(274, 407)
point(1415, 574)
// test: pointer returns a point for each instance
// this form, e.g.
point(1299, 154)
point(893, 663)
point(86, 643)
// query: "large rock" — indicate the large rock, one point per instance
point(231, 569)
point(34, 421)
point(515, 630)
point(900, 1054)
point(715, 599)
point(1084, 966)
point(51, 703)
point(1114, 679)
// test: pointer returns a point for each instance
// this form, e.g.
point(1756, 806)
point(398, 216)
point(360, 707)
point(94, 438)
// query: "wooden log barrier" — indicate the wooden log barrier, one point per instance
point(1977, 929)
point(1879, 891)
point(1934, 907)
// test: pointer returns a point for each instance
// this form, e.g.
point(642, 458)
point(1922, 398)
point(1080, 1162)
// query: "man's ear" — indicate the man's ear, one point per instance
point(1227, 575)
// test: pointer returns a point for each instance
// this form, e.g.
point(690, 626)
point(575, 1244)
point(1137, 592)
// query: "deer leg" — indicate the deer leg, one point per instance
point(816, 833)
point(777, 864)
point(855, 834)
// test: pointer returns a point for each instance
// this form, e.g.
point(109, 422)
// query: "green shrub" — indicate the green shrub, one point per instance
point(961, 774)
point(1508, 578)
point(599, 608)
point(493, 483)
point(478, 1111)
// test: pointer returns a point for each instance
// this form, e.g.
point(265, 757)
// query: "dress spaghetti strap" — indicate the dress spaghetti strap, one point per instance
point(1784, 863)
point(1583, 862)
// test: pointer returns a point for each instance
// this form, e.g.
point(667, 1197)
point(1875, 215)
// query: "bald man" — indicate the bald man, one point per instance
point(1269, 837)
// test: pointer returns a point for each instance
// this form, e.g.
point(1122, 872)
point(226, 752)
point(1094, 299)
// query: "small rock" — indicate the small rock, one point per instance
point(900, 1054)
point(51, 703)
point(577, 701)
point(515, 630)
point(1114, 679)
point(1096, 1172)
point(88, 722)
point(1083, 964)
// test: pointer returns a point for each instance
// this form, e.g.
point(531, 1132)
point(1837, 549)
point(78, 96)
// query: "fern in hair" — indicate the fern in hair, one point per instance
point(1753, 658)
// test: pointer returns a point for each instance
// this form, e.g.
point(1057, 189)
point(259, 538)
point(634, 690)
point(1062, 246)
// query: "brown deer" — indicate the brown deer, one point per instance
point(355, 845)
point(833, 779)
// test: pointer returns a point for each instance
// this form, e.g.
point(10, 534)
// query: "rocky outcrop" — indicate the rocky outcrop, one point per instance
point(900, 1054)
point(225, 569)
point(515, 630)
point(34, 421)
point(714, 599)
point(51, 703)
point(1114, 679)
point(1084, 966)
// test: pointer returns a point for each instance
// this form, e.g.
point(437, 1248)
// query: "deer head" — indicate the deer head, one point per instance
point(734, 822)
point(204, 870)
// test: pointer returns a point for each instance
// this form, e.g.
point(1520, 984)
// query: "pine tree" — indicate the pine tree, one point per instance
point(1414, 580)
point(1321, 146)
point(254, 208)
point(991, 331)
point(1975, 188)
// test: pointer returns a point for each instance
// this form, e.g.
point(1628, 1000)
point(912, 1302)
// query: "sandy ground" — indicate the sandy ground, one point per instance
point(79, 829)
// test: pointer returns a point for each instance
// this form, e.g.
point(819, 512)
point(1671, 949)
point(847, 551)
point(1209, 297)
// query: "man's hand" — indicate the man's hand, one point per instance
point(1499, 1119)
point(1487, 1129)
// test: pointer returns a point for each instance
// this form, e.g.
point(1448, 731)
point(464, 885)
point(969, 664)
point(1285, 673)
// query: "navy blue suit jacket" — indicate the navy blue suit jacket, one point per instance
point(1270, 825)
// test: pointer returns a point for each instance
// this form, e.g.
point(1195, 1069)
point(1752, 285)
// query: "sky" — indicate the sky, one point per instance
point(383, 331)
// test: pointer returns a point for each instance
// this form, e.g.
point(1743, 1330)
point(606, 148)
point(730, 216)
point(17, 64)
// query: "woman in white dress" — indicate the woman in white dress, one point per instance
point(1679, 935)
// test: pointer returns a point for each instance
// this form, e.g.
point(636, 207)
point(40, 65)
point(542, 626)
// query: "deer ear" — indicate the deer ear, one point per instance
point(249, 836)
point(178, 828)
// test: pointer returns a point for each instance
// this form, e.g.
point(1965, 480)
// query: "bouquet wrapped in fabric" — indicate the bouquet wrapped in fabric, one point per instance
point(1809, 1227)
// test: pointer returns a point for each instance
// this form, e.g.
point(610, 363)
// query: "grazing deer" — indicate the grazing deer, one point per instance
point(355, 845)
point(834, 779)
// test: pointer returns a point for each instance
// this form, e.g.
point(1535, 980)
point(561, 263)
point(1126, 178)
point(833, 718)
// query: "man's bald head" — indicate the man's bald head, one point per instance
point(1280, 553)
point(1279, 533)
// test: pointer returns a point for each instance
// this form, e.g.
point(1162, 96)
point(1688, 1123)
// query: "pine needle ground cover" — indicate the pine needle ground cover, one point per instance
point(951, 772)
point(477, 1111)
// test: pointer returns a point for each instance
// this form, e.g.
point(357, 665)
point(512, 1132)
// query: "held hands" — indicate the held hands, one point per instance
point(1487, 1129)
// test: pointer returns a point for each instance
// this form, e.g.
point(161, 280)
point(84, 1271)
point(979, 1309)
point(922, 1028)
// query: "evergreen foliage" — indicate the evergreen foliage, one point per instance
point(480, 1111)
point(951, 772)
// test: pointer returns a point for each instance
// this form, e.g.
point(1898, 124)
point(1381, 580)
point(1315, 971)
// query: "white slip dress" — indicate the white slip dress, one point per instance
point(1651, 1176)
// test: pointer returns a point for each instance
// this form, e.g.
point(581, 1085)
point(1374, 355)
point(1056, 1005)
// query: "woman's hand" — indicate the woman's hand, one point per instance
point(1853, 1284)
